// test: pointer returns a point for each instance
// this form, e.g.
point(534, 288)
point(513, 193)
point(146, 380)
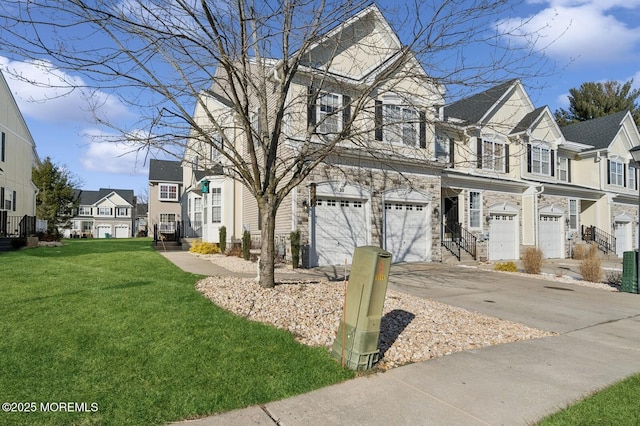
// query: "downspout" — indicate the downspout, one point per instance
point(536, 220)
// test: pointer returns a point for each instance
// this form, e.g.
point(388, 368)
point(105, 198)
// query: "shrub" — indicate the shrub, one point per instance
point(532, 260)
point(506, 267)
point(246, 245)
point(223, 238)
point(204, 248)
point(580, 251)
point(590, 266)
point(614, 278)
point(295, 248)
point(235, 250)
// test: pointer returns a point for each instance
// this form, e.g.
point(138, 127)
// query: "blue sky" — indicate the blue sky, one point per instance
point(593, 40)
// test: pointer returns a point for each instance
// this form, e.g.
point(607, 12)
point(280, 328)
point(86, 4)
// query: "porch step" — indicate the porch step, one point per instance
point(6, 245)
point(449, 259)
point(168, 246)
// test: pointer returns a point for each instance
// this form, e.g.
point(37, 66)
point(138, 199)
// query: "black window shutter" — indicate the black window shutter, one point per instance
point(506, 158)
point(479, 152)
point(423, 129)
point(311, 107)
point(608, 172)
point(568, 170)
point(553, 163)
point(529, 158)
point(378, 120)
point(624, 177)
point(1, 198)
point(2, 147)
point(346, 110)
point(452, 150)
point(14, 200)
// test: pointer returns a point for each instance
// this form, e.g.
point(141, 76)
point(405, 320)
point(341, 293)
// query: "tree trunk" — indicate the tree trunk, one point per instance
point(267, 245)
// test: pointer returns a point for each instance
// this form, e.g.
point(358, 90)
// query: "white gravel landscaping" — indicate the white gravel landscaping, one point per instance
point(412, 329)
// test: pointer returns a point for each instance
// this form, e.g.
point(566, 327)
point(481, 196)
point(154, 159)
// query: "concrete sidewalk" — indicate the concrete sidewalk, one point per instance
point(598, 343)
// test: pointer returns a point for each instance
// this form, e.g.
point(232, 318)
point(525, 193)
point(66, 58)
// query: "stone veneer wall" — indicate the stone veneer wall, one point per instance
point(377, 181)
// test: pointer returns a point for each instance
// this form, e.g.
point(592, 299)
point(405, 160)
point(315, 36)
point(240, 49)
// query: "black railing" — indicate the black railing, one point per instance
point(167, 231)
point(17, 226)
point(604, 241)
point(455, 239)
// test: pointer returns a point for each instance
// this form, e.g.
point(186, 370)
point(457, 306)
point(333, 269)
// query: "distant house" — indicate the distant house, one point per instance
point(142, 219)
point(165, 194)
point(17, 158)
point(106, 213)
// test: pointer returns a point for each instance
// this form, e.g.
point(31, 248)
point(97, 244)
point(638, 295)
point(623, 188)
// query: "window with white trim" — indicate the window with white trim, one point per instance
point(327, 113)
point(633, 178)
point(216, 205)
point(122, 211)
point(168, 192)
point(616, 173)
point(105, 211)
point(493, 154)
point(563, 169)
point(442, 148)
point(84, 211)
point(475, 209)
point(573, 214)
point(401, 124)
point(541, 160)
point(167, 222)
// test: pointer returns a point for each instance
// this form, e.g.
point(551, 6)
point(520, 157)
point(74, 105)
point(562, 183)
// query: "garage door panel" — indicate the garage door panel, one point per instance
point(622, 234)
point(340, 227)
point(406, 231)
point(550, 236)
point(503, 237)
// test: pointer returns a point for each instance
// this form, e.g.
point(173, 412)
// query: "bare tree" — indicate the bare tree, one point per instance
point(237, 62)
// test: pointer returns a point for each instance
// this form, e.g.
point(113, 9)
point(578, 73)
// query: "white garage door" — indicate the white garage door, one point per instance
point(340, 227)
point(550, 236)
point(406, 231)
point(122, 232)
point(502, 237)
point(103, 230)
point(623, 237)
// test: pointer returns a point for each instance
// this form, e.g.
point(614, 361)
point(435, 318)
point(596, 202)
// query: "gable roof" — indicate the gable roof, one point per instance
point(473, 108)
point(165, 171)
point(598, 132)
point(89, 198)
point(528, 120)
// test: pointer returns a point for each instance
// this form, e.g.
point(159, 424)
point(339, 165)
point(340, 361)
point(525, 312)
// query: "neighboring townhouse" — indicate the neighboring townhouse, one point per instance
point(518, 180)
point(142, 220)
point(18, 156)
point(387, 194)
point(608, 213)
point(106, 213)
point(165, 196)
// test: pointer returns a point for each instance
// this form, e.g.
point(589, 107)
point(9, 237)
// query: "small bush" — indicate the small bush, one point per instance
point(590, 266)
point(205, 248)
point(235, 250)
point(614, 278)
point(506, 267)
point(246, 245)
point(295, 248)
point(532, 260)
point(223, 238)
point(580, 251)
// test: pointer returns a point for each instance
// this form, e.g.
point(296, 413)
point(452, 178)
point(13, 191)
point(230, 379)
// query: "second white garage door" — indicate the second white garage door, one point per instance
point(503, 237)
point(340, 227)
point(406, 231)
point(550, 236)
point(122, 231)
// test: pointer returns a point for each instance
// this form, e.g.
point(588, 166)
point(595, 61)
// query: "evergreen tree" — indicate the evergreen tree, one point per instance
point(57, 195)
point(593, 100)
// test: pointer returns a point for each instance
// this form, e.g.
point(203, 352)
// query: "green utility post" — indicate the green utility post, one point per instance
point(356, 344)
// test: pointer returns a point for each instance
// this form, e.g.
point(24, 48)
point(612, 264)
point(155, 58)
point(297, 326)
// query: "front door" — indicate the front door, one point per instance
point(451, 219)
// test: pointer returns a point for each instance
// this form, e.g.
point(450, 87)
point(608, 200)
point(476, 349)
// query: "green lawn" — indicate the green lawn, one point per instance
point(112, 322)
point(617, 405)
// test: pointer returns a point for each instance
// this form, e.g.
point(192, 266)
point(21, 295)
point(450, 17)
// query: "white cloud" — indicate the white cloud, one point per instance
point(49, 94)
point(104, 154)
point(582, 31)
